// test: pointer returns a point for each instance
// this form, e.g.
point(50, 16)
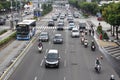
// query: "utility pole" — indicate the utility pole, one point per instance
point(11, 21)
point(20, 12)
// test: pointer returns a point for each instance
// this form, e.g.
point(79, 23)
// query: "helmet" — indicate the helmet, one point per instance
point(112, 76)
point(97, 58)
point(92, 41)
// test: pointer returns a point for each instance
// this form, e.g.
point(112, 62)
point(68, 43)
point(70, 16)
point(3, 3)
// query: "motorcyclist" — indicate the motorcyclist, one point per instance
point(85, 41)
point(82, 39)
point(40, 44)
point(82, 34)
point(92, 43)
point(112, 77)
point(97, 62)
point(85, 31)
point(89, 31)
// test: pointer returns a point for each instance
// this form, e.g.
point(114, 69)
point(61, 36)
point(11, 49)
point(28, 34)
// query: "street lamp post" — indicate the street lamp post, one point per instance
point(11, 21)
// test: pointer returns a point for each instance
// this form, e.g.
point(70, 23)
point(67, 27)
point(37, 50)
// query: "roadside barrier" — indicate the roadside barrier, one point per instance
point(14, 63)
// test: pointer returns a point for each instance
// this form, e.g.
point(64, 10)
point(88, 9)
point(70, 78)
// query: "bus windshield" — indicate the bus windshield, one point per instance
point(22, 30)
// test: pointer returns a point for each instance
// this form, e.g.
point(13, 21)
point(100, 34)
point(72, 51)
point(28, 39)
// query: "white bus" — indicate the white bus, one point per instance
point(25, 29)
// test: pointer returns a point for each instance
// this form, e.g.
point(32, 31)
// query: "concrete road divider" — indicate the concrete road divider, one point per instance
point(14, 63)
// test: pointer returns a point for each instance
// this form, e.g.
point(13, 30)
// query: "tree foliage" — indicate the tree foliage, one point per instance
point(86, 7)
point(111, 14)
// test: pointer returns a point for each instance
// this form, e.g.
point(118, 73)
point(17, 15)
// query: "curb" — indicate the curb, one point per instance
point(16, 62)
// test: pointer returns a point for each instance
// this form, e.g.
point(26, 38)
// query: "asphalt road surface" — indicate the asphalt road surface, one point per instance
point(77, 62)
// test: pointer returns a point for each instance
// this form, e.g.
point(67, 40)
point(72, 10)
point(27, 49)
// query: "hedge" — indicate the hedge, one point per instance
point(100, 31)
point(3, 31)
point(46, 9)
point(9, 38)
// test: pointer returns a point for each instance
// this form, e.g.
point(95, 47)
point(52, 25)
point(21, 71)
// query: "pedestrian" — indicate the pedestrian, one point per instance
point(91, 26)
point(93, 32)
point(89, 31)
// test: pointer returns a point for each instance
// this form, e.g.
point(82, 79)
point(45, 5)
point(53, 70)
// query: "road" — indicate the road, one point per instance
point(77, 62)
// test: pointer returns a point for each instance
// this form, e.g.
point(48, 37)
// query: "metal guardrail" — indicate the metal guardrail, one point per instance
point(14, 63)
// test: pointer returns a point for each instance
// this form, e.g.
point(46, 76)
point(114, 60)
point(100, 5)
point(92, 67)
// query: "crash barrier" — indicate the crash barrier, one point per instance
point(13, 65)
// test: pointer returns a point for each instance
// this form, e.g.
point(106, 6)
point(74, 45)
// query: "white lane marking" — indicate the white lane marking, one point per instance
point(64, 78)
point(65, 63)
point(35, 78)
point(49, 42)
point(46, 51)
point(41, 62)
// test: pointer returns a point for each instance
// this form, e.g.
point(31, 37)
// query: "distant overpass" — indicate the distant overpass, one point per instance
point(60, 2)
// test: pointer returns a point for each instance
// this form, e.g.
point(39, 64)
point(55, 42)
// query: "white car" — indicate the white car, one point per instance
point(75, 32)
point(71, 25)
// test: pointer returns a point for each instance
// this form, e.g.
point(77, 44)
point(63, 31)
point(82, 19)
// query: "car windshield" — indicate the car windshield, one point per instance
point(52, 56)
point(57, 37)
point(74, 30)
point(71, 24)
point(43, 34)
point(60, 21)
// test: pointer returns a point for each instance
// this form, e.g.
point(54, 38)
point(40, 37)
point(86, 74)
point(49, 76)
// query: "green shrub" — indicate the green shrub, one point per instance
point(46, 9)
point(85, 15)
point(105, 36)
point(3, 31)
point(9, 38)
point(99, 29)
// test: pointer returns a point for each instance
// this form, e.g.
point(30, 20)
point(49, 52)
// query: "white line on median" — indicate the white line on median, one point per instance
point(49, 42)
point(41, 62)
point(64, 78)
point(35, 78)
point(65, 63)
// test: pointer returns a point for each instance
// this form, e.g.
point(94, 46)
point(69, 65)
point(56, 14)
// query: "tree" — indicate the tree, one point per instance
point(111, 14)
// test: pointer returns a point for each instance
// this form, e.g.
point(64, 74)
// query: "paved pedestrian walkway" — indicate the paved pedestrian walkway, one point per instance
point(106, 43)
point(110, 47)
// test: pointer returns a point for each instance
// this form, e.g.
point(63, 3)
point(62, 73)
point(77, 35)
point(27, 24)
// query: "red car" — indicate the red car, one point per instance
point(99, 19)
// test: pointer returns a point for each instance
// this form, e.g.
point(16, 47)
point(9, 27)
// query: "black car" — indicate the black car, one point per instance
point(44, 36)
point(58, 39)
point(2, 21)
point(51, 23)
point(52, 58)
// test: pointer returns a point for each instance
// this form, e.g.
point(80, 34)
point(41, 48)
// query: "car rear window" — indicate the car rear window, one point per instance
point(52, 55)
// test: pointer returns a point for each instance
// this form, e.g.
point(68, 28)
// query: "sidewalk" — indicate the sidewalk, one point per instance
point(105, 27)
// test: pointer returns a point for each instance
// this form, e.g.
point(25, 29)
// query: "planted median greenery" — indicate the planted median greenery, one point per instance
point(103, 33)
point(46, 9)
point(9, 38)
point(2, 32)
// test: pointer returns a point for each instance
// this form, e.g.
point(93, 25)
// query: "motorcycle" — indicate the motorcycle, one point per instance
point(86, 44)
point(40, 48)
point(98, 68)
point(93, 47)
point(85, 32)
point(82, 40)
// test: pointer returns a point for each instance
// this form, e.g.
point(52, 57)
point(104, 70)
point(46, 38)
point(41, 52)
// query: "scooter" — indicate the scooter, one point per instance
point(85, 32)
point(93, 47)
point(85, 44)
point(82, 41)
point(98, 68)
point(40, 48)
